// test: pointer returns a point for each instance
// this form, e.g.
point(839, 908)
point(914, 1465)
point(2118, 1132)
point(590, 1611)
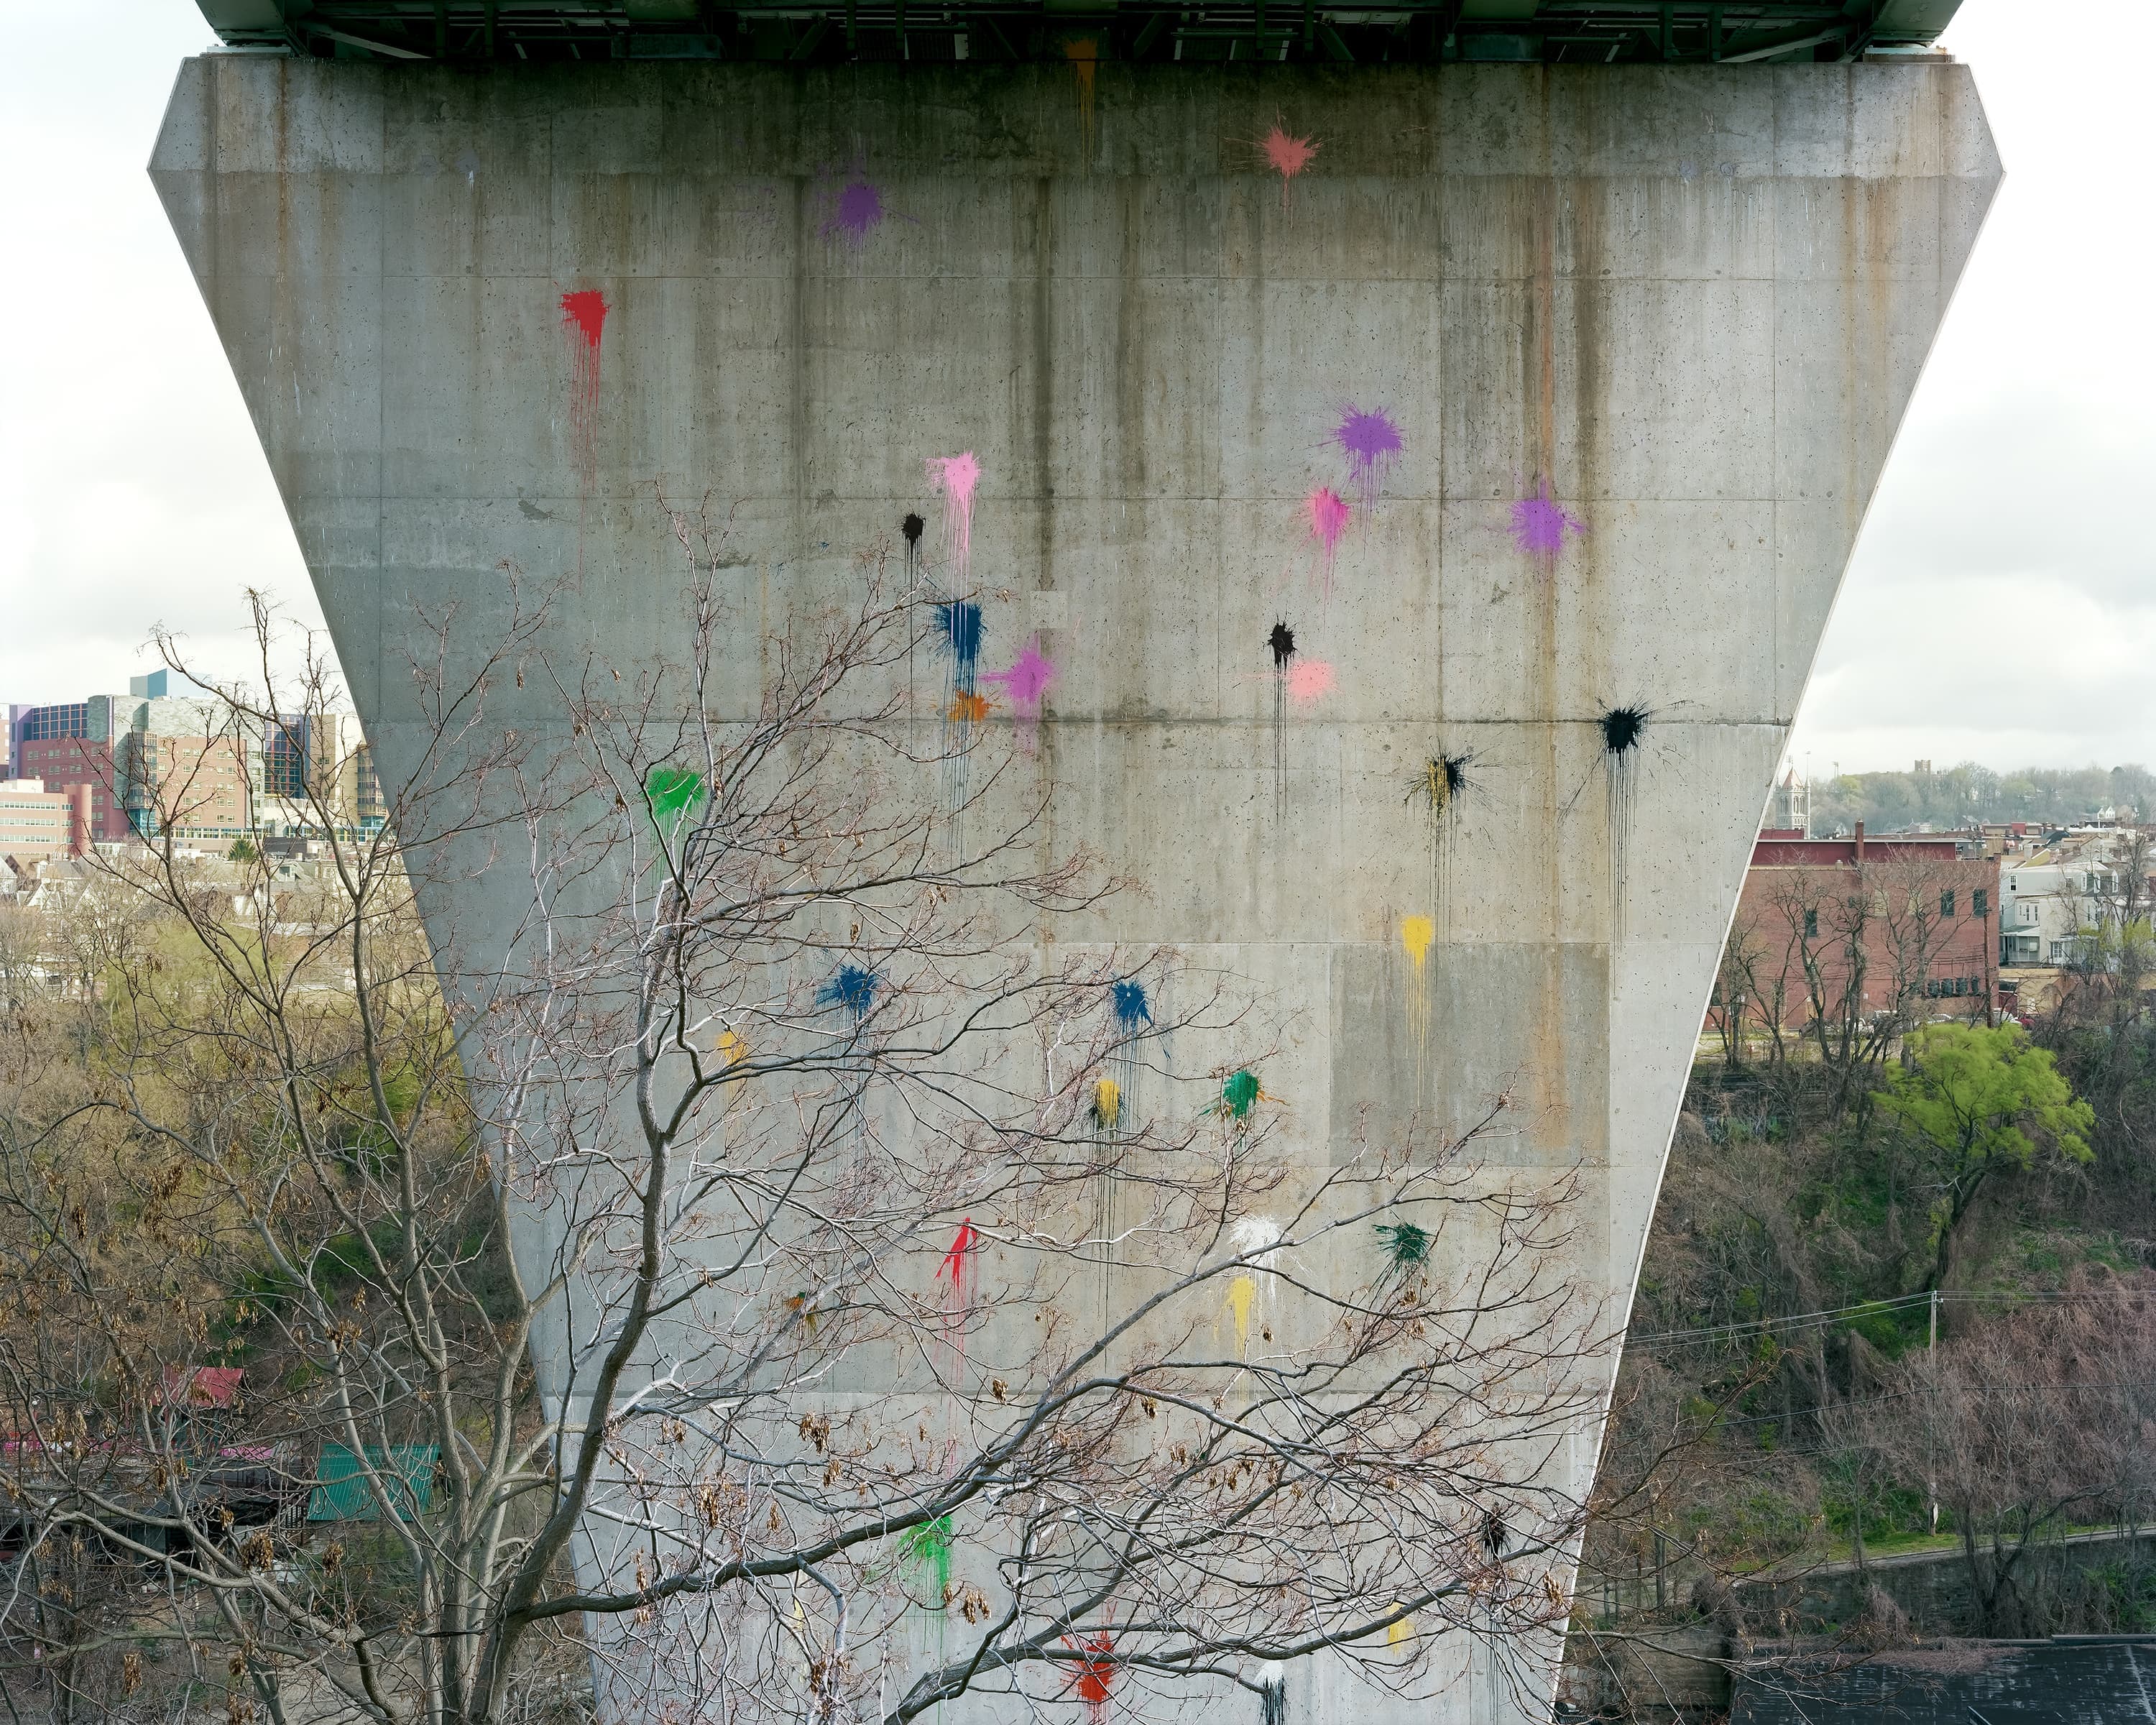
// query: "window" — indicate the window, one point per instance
point(2027, 911)
point(1979, 902)
point(1946, 902)
point(1811, 925)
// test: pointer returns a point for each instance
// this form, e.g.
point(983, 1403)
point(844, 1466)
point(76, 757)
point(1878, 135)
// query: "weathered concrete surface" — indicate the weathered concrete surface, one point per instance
point(1692, 303)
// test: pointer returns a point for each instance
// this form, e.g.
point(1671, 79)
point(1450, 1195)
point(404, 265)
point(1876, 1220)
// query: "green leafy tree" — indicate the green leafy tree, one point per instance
point(1976, 1101)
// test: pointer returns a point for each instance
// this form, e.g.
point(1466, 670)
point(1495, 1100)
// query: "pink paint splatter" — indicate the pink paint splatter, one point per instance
point(1325, 514)
point(1025, 683)
point(1289, 156)
point(1309, 681)
point(858, 213)
point(956, 476)
point(1539, 526)
point(583, 316)
point(1371, 443)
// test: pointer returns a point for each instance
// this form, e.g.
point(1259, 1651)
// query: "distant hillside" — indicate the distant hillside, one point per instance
point(1961, 795)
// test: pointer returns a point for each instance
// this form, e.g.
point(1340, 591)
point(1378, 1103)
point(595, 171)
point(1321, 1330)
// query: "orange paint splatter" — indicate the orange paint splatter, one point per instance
point(968, 708)
point(1084, 53)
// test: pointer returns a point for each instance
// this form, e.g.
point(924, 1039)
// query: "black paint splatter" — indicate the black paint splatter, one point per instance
point(1282, 640)
point(1495, 1536)
point(1621, 726)
point(1441, 781)
point(912, 527)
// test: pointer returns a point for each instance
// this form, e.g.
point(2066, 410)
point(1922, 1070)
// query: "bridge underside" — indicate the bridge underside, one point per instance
point(1616, 356)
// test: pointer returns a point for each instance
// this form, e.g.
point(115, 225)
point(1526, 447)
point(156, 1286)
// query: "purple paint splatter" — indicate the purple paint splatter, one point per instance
point(859, 211)
point(1025, 683)
point(1372, 442)
point(1539, 526)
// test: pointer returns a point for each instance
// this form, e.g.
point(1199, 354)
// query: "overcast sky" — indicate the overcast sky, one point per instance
point(2000, 607)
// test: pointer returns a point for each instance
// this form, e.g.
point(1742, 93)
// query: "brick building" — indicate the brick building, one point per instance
point(1845, 929)
point(72, 743)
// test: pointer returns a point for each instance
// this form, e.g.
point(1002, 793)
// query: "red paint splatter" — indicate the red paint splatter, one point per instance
point(960, 1256)
point(583, 316)
point(1095, 1677)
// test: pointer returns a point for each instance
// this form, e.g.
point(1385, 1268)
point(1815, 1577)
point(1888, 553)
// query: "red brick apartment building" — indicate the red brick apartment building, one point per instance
point(72, 744)
point(1851, 928)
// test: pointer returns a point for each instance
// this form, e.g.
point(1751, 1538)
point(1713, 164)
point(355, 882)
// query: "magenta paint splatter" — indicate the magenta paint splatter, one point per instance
point(1309, 681)
point(1325, 515)
point(1026, 683)
point(956, 477)
point(859, 211)
point(1540, 526)
point(1371, 443)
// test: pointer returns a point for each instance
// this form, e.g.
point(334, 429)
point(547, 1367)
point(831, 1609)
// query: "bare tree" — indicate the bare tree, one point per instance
point(794, 1258)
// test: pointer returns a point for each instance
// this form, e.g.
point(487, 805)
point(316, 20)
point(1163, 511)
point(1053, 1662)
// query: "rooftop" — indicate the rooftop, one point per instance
point(1552, 31)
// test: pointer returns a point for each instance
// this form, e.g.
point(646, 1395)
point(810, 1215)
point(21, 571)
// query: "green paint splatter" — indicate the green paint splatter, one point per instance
point(928, 1546)
point(675, 793)
point(1240, 1095)
point(1406, 1246)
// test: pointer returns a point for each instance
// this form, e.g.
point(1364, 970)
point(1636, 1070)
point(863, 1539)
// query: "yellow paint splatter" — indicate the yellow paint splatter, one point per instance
point(733, 1048)
point(1242, 1295)
point(1416, 934)
point(1399, 1631)
point(1107, 1109)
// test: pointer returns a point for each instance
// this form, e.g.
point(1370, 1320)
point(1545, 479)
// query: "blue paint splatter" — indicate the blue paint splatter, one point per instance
point(1129, 999)
point(853, 990)
point(962, 627)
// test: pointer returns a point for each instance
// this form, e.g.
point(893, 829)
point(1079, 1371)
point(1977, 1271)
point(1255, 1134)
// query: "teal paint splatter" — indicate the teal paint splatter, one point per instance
point(1407, 1247)
point(1240, 1095)
point(675, 794)
point(928, 1547)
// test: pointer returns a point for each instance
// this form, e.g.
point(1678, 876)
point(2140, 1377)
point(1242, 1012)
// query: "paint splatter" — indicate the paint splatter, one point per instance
point(1288, 155)
point(1540, 526)
point(1084, 53)
point(1272, 1698)
point(1309, 681)
point(956, 1267)
point(1371, 443)
point(1401, 1629)
point(956, 476)
point(732, 1047)
point(857, 212)
point(928, 1547)
point(967, 710)
point(1406, 1246)
point(1239, 1096)
point(1127, 998)
point(853, 991)
point(1621, 728)
point(910, 529)
point(1441, 781)
point(960, 621)
point(674, 794)
point(1416, 934)
point(1282, 641)
point(1106, 1111)
point(1095, 1678)
point(1027, 683)
point(583, 317)
point(1242, 1295)
point(1325, 514)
